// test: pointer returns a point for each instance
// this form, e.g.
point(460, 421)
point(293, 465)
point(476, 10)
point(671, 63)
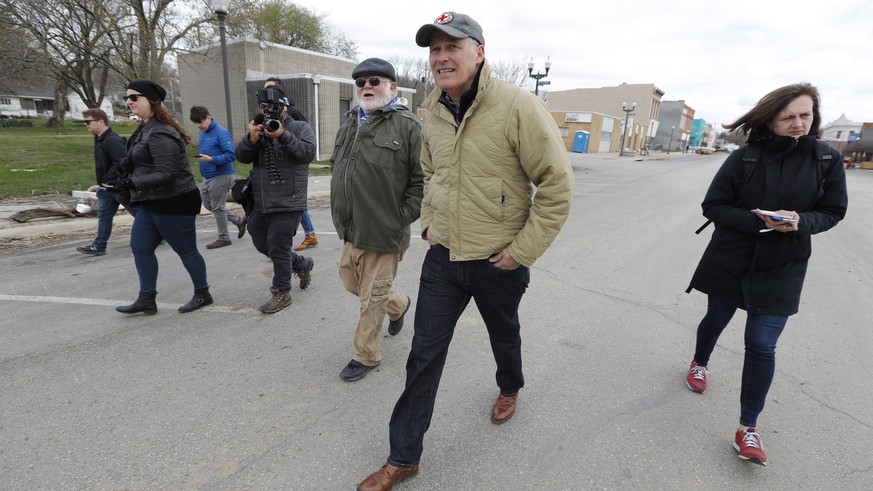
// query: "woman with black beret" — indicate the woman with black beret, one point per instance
point(162, 188)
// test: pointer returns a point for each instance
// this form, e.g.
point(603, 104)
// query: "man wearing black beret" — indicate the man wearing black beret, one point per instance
point(375, 194)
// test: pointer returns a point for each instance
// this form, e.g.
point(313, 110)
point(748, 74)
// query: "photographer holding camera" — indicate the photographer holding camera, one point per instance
point(309, 239)
point(280, 150)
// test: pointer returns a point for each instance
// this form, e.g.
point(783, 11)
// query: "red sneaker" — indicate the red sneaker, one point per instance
point(696, 378)
point(748, 444)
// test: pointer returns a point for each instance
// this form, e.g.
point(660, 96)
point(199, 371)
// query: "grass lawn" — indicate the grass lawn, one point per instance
point(38, 161)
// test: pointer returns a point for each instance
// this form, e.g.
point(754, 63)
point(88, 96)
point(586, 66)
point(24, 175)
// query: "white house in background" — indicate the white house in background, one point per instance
point(77, 107)
point(841, 132)
point(20, 99)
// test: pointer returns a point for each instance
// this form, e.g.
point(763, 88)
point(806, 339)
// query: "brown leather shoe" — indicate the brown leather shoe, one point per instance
point(309, 241)
point(504, 408)
point(386, 477)
point(218, 243)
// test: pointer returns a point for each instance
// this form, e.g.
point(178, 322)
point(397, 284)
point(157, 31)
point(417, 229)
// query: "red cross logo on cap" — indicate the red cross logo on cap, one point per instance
point(445, 18)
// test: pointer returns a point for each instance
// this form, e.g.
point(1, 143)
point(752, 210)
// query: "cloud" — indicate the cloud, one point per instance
point(721, 57)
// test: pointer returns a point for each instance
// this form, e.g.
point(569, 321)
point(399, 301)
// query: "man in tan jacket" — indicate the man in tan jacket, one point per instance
point(485, 144)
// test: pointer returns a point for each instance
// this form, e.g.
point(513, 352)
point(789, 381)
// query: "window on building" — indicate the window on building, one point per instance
point(839, 134)
point(564, 131)
point(605, 136)
point(6, 102)
point(345, 105)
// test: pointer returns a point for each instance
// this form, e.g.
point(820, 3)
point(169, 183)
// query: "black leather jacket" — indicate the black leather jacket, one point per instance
point(157, 163)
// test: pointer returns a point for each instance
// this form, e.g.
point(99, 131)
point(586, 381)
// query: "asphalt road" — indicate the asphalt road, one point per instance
point(229, 399)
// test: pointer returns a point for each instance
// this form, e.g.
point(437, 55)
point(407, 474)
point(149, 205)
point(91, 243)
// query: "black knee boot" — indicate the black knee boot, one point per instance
point(145, 303)
point(201, 298)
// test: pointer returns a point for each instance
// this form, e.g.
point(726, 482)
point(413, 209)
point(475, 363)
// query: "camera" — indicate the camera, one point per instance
point(272, 101)
point(272, 125)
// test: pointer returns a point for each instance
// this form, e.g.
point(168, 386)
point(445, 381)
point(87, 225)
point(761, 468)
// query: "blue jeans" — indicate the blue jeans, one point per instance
point(762, 332)
point(445, 289)
point(306, 222)
point(107, 206)
point(149, 229)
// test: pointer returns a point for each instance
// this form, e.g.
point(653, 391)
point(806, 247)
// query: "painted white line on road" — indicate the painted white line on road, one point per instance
point(113, 303)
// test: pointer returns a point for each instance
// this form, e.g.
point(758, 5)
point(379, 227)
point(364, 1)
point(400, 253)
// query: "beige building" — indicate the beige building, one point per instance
point(320, 85)
point(642, 122)
point(604, 132)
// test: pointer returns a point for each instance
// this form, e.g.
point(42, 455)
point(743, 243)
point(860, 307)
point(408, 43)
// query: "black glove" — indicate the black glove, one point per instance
point(120, 170)
point(125, 166)
point(120, 185)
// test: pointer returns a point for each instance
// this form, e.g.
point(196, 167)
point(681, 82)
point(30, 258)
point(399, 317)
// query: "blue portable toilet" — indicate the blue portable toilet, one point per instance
point(580, 142)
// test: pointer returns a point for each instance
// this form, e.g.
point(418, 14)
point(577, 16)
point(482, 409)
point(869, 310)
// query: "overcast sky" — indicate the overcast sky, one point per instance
point(720, 57)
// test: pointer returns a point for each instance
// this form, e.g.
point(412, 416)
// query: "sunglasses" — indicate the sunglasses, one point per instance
point(88, 121)
point(133, 97)
point(374, 81)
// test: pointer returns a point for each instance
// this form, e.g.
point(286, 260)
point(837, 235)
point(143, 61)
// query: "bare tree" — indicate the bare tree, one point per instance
point(512, 71)
point(70, 35)
point(146, 34)
point(413, 72)
point(339, 45)
point(19, 59)
point(86, 42)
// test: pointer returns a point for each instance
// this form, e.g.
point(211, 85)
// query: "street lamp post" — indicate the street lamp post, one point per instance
point(538, 76)
point(220, 7)
point(627, 111)
point(670, 143)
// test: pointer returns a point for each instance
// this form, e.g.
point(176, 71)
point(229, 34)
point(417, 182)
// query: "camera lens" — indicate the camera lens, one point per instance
point(272, 125)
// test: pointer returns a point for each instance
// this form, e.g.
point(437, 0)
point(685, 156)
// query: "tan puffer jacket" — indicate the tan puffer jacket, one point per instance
point(478, 196)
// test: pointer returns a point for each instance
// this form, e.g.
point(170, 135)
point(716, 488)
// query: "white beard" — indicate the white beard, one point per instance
point(370, 106)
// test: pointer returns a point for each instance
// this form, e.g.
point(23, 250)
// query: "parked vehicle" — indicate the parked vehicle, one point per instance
point(703, 150)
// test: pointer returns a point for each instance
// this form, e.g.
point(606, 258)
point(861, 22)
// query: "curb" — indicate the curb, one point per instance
point(10, 230)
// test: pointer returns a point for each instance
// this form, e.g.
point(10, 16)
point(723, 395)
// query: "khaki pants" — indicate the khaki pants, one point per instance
point(369, 276)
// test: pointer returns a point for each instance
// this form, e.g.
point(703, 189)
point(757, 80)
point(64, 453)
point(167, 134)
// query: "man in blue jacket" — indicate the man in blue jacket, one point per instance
point(215, 152)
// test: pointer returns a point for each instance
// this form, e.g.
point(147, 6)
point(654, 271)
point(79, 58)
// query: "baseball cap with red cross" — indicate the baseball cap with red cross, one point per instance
point(458, 26)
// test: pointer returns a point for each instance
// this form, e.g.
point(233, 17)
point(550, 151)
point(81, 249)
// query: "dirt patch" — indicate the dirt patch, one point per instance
point(13, 244)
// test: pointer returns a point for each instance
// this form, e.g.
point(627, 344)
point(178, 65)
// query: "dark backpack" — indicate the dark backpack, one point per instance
point(753, 154)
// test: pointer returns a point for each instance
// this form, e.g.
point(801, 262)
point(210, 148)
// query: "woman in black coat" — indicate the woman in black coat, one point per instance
point(757, 262)
point(162, 188)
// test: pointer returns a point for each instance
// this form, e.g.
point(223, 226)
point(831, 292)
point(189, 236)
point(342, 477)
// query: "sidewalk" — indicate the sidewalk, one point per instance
point(633, 156)
point(10, 230)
